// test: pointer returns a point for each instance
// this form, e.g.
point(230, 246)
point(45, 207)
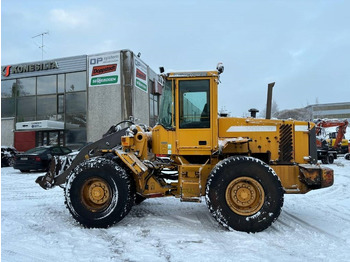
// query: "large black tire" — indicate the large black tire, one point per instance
point(325, 160)
point(98, 193)
point(139, 199)
point(330, 159)
point(347, 156)
point(244, 194)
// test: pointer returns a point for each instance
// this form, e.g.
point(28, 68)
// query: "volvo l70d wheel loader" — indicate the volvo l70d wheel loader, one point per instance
point(242, 166)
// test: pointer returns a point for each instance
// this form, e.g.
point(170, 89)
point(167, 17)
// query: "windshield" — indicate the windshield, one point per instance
point(36, 150)
point(166, 106)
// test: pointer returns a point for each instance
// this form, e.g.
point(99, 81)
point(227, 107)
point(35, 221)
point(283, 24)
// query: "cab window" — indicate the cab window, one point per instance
point(167, 105)
point(194, 104)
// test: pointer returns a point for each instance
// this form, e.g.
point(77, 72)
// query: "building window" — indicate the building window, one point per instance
point(60, 97)
point(153, 108)
point(45, 138)
point(76, 102)
point(7, 107)
point(25, 86)
point(46, 107)
point(76, 82)
point(60, 84)
point(26, 109)
point(75, 138)
point(8, 88)
point(76, 110)
point(60, 103)
point(46, 85)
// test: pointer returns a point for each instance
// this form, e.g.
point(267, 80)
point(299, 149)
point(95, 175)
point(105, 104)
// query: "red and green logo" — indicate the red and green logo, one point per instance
point(106, 80)
point(100, 70)
point(6, 71)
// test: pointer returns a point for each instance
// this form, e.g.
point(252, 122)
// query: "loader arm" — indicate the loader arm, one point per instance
point(58, 170)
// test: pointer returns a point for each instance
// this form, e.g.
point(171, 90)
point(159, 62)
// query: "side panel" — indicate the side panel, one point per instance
point(264, 133)
point(286, 141)
point(163, 141)
point(301, 138)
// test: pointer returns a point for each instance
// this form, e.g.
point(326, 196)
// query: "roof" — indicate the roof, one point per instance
point(193, 74)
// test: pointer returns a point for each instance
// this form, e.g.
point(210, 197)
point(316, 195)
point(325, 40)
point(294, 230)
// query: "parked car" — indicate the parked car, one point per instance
point(8, 154)
point(39, 158)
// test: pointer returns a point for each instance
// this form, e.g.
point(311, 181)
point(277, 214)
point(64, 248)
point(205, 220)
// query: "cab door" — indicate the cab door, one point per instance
point(193, 122)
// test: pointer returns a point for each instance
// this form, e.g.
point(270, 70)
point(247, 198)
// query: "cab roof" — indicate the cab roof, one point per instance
point(192, 74)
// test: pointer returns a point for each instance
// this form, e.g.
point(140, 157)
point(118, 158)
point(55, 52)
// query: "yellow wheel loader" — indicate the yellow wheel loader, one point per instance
point(242, 166)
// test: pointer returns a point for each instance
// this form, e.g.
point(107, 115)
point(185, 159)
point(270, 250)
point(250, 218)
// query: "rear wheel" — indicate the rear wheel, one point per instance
point(330, 159)
point(244, 194)
point(325, 160)
point(98, 193)
point(347, 156)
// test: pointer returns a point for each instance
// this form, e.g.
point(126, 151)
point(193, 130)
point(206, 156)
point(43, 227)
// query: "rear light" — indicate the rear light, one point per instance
point(37, 158)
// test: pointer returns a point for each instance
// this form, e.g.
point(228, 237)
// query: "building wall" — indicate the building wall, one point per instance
point(141, 107)
point(104, 110)
point(7, 134)
point(47, 90)
point(115, 85)
point(61, 65)
point(110, 103)
point(141, 91)
point(330, 111)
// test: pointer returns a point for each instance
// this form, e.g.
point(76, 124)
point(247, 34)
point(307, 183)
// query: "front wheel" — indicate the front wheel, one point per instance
point(98, 193)
point(11, 161)
point(244, 194)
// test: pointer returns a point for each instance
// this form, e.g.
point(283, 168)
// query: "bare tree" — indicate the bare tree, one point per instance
point(297, 114)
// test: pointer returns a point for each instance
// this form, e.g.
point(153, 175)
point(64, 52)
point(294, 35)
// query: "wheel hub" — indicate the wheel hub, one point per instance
point(95, 194)
point(245, 196)
point(98, 192)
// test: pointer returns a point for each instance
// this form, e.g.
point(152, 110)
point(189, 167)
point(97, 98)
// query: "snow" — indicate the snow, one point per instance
point(36, 226)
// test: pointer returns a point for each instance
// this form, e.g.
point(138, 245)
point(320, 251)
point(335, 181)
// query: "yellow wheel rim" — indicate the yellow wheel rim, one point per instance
point(96, 194)
point(245, 196)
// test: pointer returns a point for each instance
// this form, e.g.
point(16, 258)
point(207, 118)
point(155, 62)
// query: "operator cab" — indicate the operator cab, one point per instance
point(188, 113)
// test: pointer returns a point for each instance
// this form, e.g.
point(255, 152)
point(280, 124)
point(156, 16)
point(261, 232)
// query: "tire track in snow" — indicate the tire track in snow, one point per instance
point(208, 222)
point(345, 215)
point(308, 225)
point(279, 220)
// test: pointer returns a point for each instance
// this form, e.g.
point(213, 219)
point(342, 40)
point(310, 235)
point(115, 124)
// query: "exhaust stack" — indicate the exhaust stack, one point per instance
point(269, 100)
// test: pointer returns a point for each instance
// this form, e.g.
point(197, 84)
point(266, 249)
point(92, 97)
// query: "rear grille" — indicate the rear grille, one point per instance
point(312, 146)
point(286, 144)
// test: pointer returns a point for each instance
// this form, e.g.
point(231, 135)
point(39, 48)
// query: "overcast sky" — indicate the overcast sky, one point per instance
point(303, 45)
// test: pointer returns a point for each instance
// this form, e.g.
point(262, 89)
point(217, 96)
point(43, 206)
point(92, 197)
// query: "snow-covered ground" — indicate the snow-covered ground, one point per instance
point(36, 226)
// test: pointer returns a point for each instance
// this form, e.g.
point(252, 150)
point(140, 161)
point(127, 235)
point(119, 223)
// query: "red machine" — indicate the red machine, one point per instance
point(328, 152)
